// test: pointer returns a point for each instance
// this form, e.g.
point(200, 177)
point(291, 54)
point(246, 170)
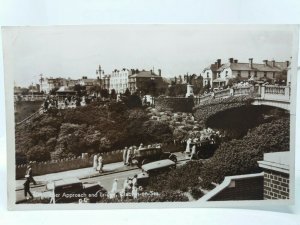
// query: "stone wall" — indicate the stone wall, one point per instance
point(174, 104)
point(276, 185)
point(41, 168)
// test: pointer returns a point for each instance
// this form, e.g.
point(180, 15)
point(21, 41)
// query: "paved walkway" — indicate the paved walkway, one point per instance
point(82, 173)
point(79, 173)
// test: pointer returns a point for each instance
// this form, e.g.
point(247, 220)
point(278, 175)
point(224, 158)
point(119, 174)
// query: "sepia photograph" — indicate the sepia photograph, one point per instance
point(190, 115)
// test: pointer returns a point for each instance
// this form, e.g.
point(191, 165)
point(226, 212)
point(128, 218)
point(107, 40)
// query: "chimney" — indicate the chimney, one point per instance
point(235, 61)
point(230, 60)
point(287, 63)
point(265, 62)
point(159, 72)
point(251, 63)
point(219, 63)
point(151, 71)
point(273, 63)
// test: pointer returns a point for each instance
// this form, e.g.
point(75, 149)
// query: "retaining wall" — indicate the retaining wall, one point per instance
point(174, 104)
point(41, 168)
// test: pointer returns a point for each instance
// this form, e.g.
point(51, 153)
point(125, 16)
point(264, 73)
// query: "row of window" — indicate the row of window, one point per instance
point(239, 74)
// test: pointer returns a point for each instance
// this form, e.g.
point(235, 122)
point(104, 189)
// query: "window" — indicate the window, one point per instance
point(255, 74)
point(226, 74)
point(265, 74)
point(249, 74)
point(219, 74)
point(239, 73)
point(207, 74)
point(273, 74)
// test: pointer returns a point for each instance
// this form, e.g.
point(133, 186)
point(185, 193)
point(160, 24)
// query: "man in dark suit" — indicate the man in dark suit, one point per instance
point(29, 174)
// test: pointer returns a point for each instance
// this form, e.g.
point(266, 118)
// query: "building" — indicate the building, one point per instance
point(105, 82)
point(88, 82)
point(268, 71)
point(145, 81)
point(210, 73)
point(119, 80)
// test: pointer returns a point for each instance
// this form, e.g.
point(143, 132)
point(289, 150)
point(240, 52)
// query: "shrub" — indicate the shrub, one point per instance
point(240, 156)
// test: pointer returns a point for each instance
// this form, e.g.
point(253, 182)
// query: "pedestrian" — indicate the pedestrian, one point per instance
point(125, 155)
point(134, 181)
point(27, 188)
point(188, 142)
point(29, 173)
point(128, 157)
point(126, 187)
point(95, 162)
point(100, 164)
point(134, 192)
point(114, 189)
point(141, 146)
point(193, 154)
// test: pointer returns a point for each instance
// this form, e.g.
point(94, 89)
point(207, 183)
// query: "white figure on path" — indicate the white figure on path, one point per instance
point(188, 143)
point(95, 162)
point(128, 157)
point(100, 164)
point(125, 155)
point(193, 154)
point(114, 188)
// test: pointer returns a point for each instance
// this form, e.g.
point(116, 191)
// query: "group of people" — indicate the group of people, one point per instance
point(206, 135)
point(98, 163)
point(130, 188)
point(129, 153)
point(50, 102)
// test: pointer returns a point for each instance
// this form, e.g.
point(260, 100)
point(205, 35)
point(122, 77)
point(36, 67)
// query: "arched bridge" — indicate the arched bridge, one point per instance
point(270, 95)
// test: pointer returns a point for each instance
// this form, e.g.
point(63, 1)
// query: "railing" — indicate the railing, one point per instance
point(222, 93)
point(243, 91)
point(32, 116)
point(275, 93)
point(29, 97)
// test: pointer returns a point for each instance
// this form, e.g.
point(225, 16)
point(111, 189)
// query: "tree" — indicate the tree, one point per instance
point(104, 93)
point(127, 92)
point(113, 94)
point(80, 89)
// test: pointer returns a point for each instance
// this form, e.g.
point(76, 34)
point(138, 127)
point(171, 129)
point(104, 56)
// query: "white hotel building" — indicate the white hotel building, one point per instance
point(119, 80)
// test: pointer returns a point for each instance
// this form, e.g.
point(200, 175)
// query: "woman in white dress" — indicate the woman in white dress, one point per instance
point(100, 164)
point(114, 188)
point(95, 162)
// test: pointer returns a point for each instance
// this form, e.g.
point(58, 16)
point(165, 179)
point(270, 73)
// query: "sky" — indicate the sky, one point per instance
point(76, 51)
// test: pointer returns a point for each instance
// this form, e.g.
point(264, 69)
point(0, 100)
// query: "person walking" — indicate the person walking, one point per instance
point(100, 164)
point(193, 154)
point(114, 188)
point(187, 149)
point(95, 162)
point(129, 155)
point(29, 174)
point(125, 155)
point(27, 188)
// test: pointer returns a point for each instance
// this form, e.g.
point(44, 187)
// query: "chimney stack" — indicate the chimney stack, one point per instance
point(231, 60)
point(287, 63)
point(265, 62)
point(251, 63)
point(159, 72)
point(235, 61)
point(219, 63)
point(273, 63)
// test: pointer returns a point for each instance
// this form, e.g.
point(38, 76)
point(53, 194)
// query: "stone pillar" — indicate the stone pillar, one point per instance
point(189, 91)
point(276, 167)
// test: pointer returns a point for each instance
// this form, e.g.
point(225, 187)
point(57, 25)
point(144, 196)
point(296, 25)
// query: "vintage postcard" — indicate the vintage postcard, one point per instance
point(115, 116)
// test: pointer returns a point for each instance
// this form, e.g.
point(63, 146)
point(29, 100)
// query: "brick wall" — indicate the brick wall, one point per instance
point(242, 189)
point(276, 185)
